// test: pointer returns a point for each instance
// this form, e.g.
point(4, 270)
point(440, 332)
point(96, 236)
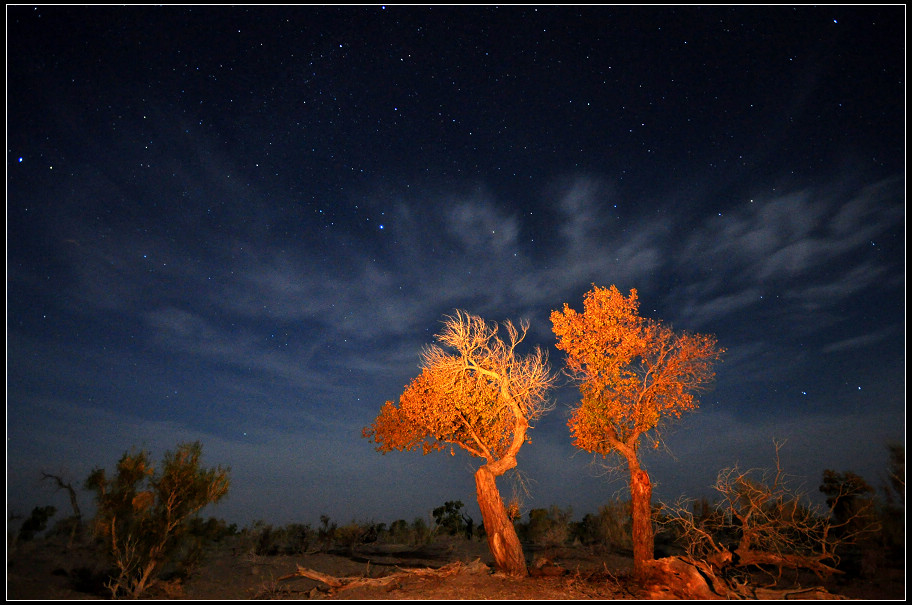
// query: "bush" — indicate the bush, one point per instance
point(762, 522)
point(351, 536)
point(299, 537)
point(326, 534)
point(210, 530)
point(399, 532)
point(263, 539)
point(36, 523)
point(855, 524)
point(611, 528)
point(892, 508)
point(421, 532)
point(548, 527)
point(143, 515)
point(66, 527)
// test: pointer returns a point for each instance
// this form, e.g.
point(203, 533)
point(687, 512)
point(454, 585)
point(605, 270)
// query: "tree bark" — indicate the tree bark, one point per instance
point(502, 538)
point(641, 505)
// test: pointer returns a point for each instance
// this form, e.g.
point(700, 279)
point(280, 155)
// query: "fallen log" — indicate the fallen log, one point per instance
point(338, 584)
point(748, 558)
point(794, 594)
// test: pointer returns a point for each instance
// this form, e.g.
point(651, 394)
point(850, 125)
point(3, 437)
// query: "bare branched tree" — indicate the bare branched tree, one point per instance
point(77, 514)
point(762, 522)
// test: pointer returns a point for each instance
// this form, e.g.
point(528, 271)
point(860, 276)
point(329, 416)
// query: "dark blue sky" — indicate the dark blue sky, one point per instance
point(241, 225)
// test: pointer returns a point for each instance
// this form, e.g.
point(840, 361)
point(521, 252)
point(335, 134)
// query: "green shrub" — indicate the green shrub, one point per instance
point(298, 538)
point(399, 532)
point(211, 529)
point(65, 527)
point(326, 534)
point(267, 541)
point(892, 508)
point(143, 515)
point(448, 518)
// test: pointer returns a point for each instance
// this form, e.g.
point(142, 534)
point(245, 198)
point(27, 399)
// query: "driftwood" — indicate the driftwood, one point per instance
point(685, 578)
point(339, 584)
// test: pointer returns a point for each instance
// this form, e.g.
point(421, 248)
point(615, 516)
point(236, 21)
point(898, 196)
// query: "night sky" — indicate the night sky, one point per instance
point(241, 226)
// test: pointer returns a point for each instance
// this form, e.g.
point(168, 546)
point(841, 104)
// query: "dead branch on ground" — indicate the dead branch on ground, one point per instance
point(337, 584)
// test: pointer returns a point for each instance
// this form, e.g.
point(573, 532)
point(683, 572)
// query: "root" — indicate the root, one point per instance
point(685, 578)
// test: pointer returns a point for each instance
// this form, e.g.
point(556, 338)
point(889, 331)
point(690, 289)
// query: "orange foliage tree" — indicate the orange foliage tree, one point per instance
point(478, 394)
point(634, 374)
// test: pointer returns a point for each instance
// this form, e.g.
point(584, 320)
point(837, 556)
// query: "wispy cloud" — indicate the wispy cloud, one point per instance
point(810, 248)
point(865, 340)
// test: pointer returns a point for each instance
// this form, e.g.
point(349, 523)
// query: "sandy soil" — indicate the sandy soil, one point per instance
point(449, 568)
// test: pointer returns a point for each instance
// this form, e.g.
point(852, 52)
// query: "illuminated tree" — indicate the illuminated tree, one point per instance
point(634, 374)
point(481, 396)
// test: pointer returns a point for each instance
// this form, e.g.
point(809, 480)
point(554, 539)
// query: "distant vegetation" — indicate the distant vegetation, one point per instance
point(756, 514)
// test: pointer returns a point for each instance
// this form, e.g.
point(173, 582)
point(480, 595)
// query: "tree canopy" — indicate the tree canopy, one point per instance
point(634, 372)
point(479, 396)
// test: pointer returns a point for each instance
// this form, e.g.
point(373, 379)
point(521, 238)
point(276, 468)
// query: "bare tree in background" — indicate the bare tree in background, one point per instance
point(77, 514)
point(762, 522)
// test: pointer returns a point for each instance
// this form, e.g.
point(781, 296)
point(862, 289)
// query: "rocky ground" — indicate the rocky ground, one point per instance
point(449, 568)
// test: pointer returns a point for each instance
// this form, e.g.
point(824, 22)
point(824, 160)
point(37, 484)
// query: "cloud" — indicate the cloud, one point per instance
point(809, 247)
point(696, 314)
point(865, 340)
point(581, 220)
point(481, 229)
point(180, 331)
point(846, 283)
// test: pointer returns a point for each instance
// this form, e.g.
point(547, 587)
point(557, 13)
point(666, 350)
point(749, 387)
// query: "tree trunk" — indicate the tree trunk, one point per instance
point(502, 538)
point(641, 505)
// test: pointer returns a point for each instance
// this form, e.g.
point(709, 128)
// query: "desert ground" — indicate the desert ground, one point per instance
point(447, 568)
